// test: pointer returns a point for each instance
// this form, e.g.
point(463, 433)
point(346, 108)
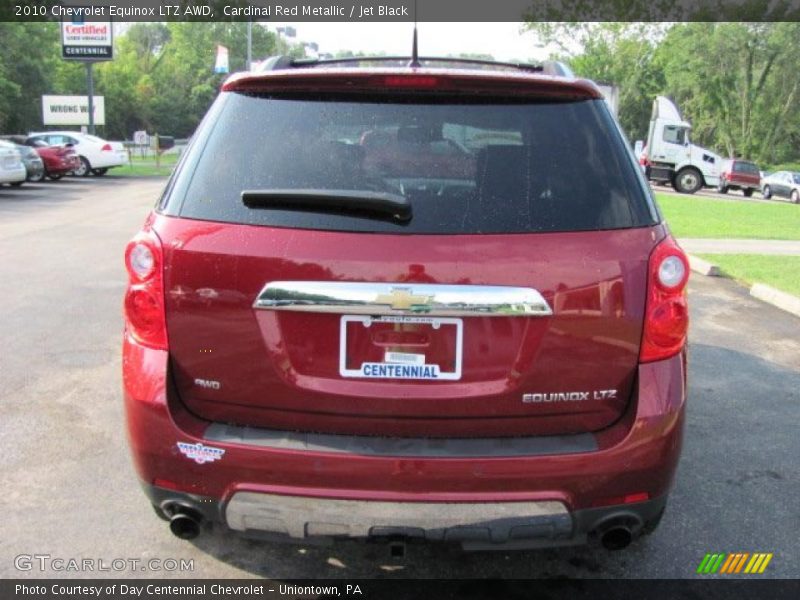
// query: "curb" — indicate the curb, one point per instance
point(782, 300)
point(765, 293)
point(698, 265)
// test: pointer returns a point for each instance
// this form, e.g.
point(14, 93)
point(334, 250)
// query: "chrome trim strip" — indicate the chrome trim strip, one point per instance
point(387, 299)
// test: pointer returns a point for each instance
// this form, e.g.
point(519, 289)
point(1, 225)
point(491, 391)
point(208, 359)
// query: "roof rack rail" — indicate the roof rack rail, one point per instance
point(285, 62)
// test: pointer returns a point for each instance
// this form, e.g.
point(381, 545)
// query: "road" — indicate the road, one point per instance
point(70, 489)
point(733, 195)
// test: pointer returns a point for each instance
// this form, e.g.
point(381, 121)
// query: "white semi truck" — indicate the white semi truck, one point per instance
point(669, 156)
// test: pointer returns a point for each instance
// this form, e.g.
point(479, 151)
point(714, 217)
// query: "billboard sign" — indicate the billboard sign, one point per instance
point(72, 110)
point(82, 40)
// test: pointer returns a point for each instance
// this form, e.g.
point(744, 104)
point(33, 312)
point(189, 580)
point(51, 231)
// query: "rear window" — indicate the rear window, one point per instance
point(745, 167)
point(464, 167)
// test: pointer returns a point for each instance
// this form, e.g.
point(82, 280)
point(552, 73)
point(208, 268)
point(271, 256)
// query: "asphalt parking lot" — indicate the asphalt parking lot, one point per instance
point(70, 490)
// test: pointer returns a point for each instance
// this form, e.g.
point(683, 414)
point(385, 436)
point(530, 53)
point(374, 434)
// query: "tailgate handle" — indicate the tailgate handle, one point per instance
point(385, 299)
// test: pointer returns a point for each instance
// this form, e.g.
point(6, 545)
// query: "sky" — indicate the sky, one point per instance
point(502, 40)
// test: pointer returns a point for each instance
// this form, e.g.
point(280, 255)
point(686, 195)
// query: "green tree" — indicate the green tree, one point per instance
point(736, 82)
point(30, 53)
point(620, 54)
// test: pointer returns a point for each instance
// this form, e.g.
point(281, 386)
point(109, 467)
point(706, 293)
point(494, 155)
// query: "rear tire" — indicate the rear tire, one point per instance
point(795, 197)
point(688, 180)
point(747, 192)
point(36, 177)
point(55, 176)
point(766, 192)
point(722, 188)
point(17, 183)
point(84, 169)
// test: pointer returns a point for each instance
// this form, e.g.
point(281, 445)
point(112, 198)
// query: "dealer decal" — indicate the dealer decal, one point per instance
point(199, 453)
point(398, 371)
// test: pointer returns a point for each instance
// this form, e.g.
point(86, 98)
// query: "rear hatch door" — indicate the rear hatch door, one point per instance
point(508, 302)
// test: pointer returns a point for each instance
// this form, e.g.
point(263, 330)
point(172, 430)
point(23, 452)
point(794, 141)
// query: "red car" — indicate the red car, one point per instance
point(495, 358)
point(739, 174)
point(58, 160)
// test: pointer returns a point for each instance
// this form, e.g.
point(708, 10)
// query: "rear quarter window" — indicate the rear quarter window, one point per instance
point(465, 166)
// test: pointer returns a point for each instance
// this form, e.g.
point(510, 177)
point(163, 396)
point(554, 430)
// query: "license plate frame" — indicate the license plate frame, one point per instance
point(434, 322)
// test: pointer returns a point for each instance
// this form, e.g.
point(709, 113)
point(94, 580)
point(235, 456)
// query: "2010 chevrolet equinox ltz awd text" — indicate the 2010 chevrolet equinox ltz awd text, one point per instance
point(378, 301)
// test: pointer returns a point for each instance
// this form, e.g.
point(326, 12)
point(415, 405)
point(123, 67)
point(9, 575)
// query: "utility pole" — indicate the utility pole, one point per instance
point(249, 44)
point(90, 93)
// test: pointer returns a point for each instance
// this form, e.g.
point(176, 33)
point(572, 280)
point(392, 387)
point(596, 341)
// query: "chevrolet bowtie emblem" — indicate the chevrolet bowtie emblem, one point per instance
point(403, 299)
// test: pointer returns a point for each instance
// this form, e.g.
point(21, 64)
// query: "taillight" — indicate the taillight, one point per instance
point(144, 299)
point(106, 148)
point(411, 81)
point(667, 312)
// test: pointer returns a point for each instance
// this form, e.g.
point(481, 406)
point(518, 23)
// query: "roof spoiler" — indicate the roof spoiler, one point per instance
point(548, 67)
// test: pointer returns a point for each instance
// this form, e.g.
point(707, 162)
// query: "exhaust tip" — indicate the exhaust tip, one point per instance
point(616, 538)
point(184, 526)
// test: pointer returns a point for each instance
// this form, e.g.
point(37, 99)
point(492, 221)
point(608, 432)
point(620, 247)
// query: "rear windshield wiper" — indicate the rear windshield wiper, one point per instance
point(375, 205)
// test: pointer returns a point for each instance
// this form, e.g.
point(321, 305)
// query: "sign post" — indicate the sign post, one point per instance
point(88, 42)
point(90, 91)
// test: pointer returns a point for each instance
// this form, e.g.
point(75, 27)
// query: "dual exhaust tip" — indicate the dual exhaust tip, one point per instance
point(617, 533)
point(184, 522)
point(616, 538)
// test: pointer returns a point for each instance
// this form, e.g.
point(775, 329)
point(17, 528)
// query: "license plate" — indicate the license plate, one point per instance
point(416, 348)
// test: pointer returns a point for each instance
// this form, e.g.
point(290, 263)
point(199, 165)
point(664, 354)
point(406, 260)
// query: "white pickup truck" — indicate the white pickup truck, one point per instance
point(669, 156)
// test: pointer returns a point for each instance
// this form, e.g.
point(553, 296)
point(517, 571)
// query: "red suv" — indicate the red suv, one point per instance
point(739, 174)
point(318, 347)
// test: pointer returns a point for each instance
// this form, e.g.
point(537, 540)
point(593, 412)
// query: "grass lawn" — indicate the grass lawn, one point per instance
point(697, 217)
point(146, 167)
point(781, 272)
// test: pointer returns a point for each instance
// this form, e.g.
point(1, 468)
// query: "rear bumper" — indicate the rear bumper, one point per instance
point(532, 498)
point(107, 160)
point(14, 175)
point(739, 185)
point(473, 525)
point(61, 166)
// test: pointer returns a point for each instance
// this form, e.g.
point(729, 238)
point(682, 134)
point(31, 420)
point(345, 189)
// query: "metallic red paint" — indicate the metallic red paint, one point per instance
point(637, 454)
point(280, 370)
point(58, 160)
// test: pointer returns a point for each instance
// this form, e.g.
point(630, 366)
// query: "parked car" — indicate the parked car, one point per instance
point(783, 184)
point(495, 358)
point(34, 165)
point(58, 160)
point(95, 154)
point(12, 170)
point(737, 174)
